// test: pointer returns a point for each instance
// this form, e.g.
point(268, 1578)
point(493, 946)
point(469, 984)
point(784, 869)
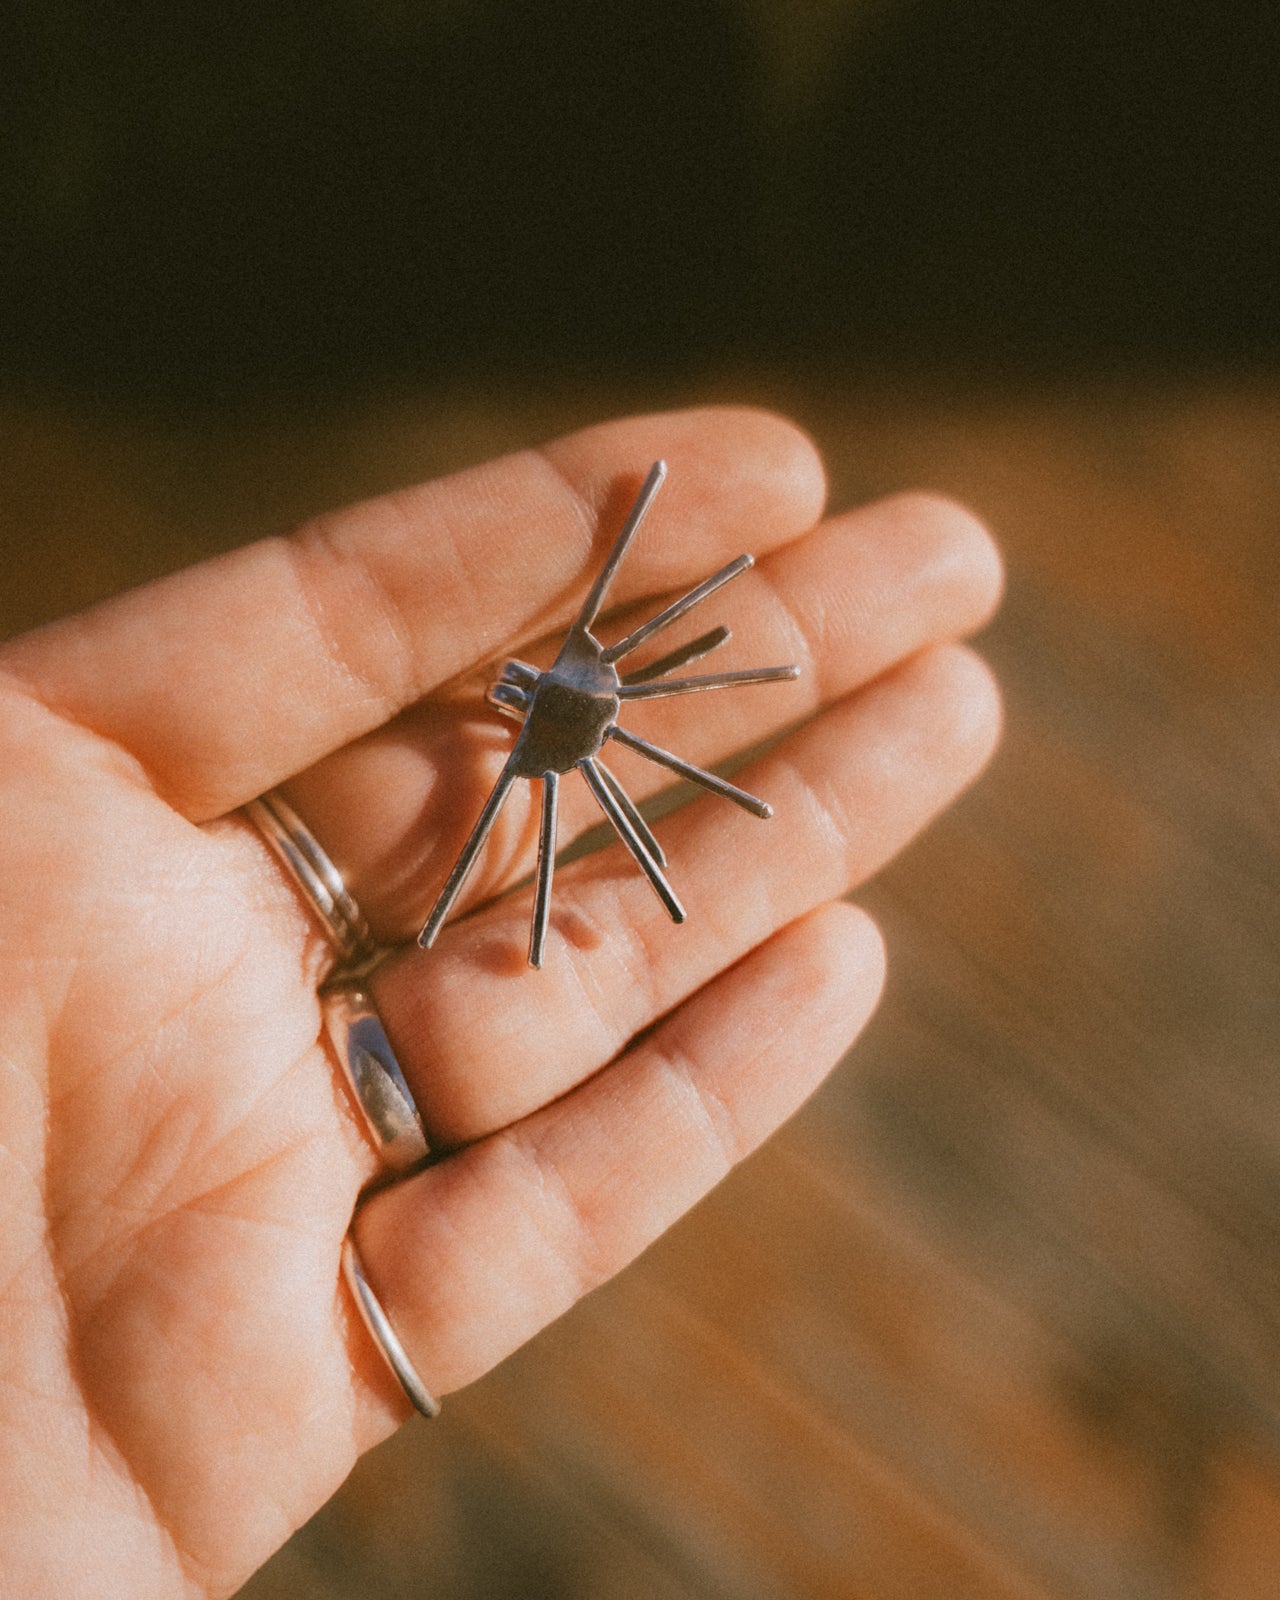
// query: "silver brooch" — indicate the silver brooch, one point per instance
point(569, 712)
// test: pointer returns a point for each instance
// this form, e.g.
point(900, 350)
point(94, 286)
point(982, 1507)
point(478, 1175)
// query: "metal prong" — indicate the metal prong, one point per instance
point(628, 805)
point(519, 673)
point(591, 605)
point(712, 680)
point(505, 697)
point(693, 651)
point(686, 769)
point(546, 866)
point(631, 838)
point(462, 866)
point(677, 609)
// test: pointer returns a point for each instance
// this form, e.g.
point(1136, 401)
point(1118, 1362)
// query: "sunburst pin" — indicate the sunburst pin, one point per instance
point(570, 712)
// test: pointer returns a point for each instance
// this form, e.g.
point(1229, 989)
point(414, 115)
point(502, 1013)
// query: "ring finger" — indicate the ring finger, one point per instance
point(851, 788)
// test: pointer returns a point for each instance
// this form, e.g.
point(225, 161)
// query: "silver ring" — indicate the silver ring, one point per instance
point(311, 869)
point(384, 1335)
point(364, 1052)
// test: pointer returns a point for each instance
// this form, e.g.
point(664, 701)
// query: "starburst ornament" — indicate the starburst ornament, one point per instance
point(569, 713)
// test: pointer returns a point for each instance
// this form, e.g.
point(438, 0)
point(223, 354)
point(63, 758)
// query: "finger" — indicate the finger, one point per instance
point(224, 679)
point(476, 1254)
point(483, 1040)
point(862, 592)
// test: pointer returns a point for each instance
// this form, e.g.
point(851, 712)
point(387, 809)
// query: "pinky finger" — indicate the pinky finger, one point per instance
point(475, 1255)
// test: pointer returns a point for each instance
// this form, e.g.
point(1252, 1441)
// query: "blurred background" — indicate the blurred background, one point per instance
point(998, 1315)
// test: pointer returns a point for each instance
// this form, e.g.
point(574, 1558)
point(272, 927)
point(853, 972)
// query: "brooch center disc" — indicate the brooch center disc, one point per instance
point(571, 710)
point(564, 726)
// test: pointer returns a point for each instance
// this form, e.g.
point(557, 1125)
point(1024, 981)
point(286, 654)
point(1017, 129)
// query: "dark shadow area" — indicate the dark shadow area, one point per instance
point(1053, 183)
point(205, 201)
point(210, 197)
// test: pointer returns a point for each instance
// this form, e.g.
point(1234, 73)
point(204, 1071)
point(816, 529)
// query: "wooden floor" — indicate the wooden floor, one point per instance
point(999, 1315)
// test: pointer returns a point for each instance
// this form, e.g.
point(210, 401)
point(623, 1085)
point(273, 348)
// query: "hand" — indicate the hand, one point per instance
point(184, 1380)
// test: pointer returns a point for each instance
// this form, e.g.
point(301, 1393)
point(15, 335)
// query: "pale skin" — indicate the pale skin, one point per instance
point(182, 1378)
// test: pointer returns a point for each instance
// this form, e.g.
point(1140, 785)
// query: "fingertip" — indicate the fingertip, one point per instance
point(971, 702)
point(842, 952)
point(963, 556)
point(857, 943)
point(788, 462)
point(749, 456)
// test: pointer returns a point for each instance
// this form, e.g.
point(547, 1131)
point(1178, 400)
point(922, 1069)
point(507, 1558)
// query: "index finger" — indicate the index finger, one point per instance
point(227, 678)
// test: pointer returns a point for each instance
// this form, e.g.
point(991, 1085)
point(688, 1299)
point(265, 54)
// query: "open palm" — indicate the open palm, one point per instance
point(183, 1380)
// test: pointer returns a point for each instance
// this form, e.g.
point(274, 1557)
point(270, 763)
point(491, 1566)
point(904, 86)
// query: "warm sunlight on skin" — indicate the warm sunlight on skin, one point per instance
point(182, 1378)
